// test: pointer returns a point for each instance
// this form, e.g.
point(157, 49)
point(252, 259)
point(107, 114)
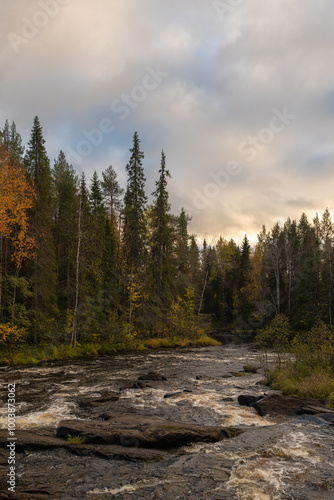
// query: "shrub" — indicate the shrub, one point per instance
point(10, 335)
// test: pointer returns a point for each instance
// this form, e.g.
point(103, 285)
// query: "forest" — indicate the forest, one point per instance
point(86, 261)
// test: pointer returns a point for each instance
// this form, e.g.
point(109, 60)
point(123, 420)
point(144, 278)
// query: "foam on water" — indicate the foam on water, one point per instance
point(265, 473)
point(49, 417)
point(130, 488)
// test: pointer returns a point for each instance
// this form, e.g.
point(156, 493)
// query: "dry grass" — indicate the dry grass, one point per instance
point(298, 381)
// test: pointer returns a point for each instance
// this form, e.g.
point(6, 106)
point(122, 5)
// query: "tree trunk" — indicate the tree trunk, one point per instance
point(203, 291)
point(14, 294)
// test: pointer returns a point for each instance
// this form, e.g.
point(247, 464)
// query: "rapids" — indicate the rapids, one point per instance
point(272, 459)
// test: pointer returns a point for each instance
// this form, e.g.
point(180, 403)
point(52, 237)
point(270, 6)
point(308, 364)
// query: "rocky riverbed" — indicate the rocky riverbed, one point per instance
point(183, 424)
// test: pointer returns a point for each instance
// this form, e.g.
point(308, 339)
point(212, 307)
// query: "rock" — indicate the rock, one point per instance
point(135, 430)
point(262, 382)
point(36, 441)
point(172, 394)
point(315, 410)
point(312, 419)
point(95, 402)
point(277, 404)
point(42, 440)
point(139, 385)
point(153, 376)
point(227, 400)
point(248, 400)
point(251, 369)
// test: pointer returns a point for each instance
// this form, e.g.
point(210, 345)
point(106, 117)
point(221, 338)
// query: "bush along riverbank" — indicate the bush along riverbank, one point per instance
point(304, 364)
point(27, 354)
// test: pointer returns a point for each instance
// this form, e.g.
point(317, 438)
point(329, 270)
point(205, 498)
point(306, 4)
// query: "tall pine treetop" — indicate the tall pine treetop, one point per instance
point(135, 200)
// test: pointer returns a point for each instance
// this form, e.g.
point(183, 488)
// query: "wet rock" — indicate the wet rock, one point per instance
point(153, 376)
point(312, 419)
point(96, 402)
point(172, 394)
point(251, 369)
point(140, 384)
point(42, 440)
point(135, 430)
point(248, 400)
point(277, 404)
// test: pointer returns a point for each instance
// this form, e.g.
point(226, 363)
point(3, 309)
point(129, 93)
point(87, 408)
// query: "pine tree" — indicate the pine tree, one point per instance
point(162, 237)
point(44, 276)
point(95, 196)
point(182, 243)
point(66, 217)
point(13, 142)
point(134, 230)
point(112, 192)
point(309, 305)
point(327, 235)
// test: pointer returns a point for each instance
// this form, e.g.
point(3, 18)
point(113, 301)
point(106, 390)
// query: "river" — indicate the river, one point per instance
point(273, 458)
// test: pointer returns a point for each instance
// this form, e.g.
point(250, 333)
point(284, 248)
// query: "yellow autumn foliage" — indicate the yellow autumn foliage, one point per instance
point(10, 335)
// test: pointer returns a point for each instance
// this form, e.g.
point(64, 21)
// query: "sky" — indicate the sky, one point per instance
point(238, 93)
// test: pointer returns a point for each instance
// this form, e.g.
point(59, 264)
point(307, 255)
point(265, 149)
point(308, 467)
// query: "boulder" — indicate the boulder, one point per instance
point(153, 376)
point(135, 430)
point(248, 400)
point(251, 369)
point(140, 384)
point(276, 404)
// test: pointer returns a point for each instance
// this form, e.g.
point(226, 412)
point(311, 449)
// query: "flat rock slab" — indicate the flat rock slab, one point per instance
point(34, 441)
point(138, 431)
point(276, 404)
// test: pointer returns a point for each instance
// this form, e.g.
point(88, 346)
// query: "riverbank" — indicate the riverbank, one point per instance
point(30, 355)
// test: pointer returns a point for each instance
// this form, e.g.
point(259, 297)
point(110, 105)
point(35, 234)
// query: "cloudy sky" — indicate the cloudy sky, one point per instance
point(238, 93)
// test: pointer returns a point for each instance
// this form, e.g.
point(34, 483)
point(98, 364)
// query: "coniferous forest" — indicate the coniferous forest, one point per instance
point(87, 261)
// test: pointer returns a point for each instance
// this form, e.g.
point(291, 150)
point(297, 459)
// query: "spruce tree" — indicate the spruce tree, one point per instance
point(182, 242)
point(134, 230)
point(44, 278)
point(13, 142)
point(112, 192)
point(162, 264)
point(309, 304)
point(66, 220)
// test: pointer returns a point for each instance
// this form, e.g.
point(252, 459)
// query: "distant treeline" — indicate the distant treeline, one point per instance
point(84, 261)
